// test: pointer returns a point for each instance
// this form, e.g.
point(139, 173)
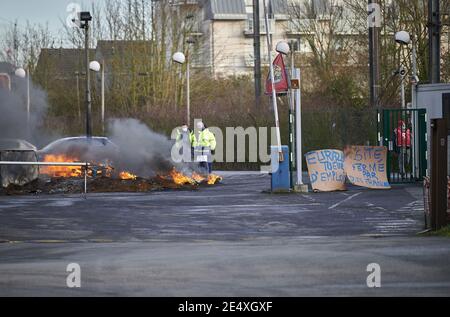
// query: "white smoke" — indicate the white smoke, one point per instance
point(142, 151)
point(14, 123)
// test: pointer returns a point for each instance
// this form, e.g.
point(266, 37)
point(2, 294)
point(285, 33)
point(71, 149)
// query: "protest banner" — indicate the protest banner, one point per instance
point(326, 170)
point(366, 166)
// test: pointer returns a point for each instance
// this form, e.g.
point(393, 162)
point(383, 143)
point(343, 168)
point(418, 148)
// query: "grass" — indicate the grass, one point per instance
point(444, 232)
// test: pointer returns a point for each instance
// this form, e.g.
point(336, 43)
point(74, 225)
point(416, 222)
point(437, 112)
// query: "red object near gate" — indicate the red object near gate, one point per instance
point(281, 82)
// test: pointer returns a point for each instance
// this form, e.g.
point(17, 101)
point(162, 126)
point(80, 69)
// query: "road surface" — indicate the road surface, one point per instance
point(234, 239)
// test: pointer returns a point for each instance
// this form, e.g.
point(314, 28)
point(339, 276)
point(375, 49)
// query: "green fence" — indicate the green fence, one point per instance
point(403, 132)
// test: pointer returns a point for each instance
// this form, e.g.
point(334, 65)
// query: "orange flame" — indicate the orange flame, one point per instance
point(181, 179)
point(127, 176)
point(213, 179)
point(197, 177)
point(61, 171)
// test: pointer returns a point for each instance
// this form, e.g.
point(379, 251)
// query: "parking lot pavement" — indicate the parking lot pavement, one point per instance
point(237, 209)
point(234, 239)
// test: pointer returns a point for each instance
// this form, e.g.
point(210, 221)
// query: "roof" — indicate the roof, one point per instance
point(235, 9)
point(225, 10)
point(65, 61)
point(108, 49)
point(280, 9)
point(16, 145)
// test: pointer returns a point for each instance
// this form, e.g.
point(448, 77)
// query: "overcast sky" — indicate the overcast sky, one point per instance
point(38, 11)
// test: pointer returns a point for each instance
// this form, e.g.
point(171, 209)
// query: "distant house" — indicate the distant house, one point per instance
point(68, 64)
point(60, 64)
point(64, 69)
point(223, 31)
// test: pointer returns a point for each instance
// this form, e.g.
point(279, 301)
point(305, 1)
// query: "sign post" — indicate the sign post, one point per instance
point(295, 86)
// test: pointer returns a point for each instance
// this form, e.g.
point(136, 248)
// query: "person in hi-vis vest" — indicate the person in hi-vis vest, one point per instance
point(204, 144)
point(184, 142)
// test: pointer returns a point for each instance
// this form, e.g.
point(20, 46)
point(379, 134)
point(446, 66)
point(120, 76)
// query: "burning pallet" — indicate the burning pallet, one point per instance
point(97, 178)
point(179, 178)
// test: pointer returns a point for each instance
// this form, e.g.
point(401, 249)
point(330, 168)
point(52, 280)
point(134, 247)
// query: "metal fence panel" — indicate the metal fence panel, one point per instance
point(403, 132)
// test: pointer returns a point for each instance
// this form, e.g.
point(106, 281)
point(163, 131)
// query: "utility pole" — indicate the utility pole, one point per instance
point(15, 45)
point(374, 49)
point(438, 189)
point(434, 39)
point(85, 17)
point(257, 52)
point(77, 75)
point(103, 96)
point(88, 83)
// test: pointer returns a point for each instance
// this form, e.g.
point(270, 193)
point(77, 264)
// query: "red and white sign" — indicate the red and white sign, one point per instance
point(280, 77)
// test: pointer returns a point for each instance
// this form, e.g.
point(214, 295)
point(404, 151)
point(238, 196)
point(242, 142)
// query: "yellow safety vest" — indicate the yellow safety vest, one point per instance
point(205, 139)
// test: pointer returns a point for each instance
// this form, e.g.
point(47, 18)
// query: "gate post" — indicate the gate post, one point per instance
point(438, 174)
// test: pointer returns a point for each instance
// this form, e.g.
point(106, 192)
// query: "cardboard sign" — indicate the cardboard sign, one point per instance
point(366, 166)
point(326, 170)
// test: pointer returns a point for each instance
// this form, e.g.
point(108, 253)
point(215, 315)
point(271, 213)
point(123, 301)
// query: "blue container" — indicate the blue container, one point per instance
point(281, 178)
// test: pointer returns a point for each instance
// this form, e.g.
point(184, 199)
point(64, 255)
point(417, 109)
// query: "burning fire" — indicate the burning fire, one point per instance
point(61, 171)
point(106, 170)
point(210, 180)
point(213, 179)
point(196, 178)
point(181, 179)
point(127, 176)
point(77, 171)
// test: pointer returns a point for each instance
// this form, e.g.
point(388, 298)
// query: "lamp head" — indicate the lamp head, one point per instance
point(402, 38)
point(283, 48)
point(94, 66)
point(20, 72)
point(179, 58)
point(85, 16)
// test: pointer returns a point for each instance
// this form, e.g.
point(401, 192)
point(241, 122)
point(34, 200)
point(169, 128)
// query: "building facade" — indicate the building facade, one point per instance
point(224, 34)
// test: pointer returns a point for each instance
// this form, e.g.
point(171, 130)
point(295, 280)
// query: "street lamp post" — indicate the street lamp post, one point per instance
point(85, 17)
point(20, 72)
point(180, 58)
point(403, 38)
point(103, 96)
point(96, 67)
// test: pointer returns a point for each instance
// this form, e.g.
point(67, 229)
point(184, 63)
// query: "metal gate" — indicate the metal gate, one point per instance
point(404, 133)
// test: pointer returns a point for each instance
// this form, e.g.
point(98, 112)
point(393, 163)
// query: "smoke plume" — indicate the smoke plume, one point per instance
point(142, 151)
point(13, 109)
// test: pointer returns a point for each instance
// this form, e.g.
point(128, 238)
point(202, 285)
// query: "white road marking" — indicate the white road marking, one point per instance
point(345, 200)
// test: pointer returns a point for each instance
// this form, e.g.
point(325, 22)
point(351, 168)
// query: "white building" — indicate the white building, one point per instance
point(224, 31)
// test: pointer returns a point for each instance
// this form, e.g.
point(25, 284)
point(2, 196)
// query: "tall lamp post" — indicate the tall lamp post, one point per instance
point(403, 38)
point(96, 67)
point(20, 72)
point(180, 58)
point(85, 17)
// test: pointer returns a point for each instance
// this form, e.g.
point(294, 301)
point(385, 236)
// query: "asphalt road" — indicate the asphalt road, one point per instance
point(229, 240)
